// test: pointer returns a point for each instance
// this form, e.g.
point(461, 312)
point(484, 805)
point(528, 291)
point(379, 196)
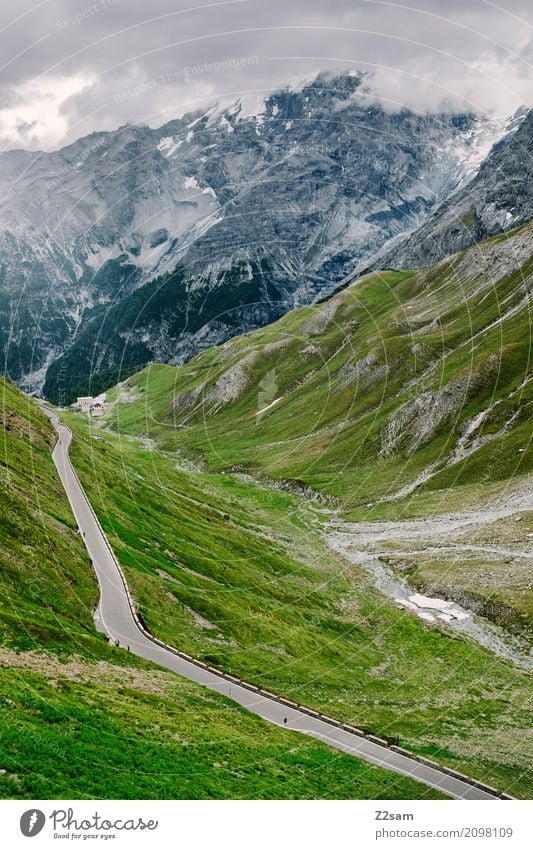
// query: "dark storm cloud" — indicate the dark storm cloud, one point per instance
point(72, 66)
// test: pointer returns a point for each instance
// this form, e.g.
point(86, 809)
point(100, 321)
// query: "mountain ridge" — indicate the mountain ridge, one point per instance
point(497, 199)
point(302, 191)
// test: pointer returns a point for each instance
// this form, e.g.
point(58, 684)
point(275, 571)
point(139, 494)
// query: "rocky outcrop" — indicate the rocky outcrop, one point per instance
point(230, 385)
point(362, 372)
point(417, 421)
point(497, 199)
point(186, 400)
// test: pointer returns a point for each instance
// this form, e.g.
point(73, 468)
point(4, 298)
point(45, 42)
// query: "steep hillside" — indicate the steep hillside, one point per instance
point(408, 394)
point(289, 196)
point(47, 593)
point(499, 198)
point(424, 375)
point(80, 719)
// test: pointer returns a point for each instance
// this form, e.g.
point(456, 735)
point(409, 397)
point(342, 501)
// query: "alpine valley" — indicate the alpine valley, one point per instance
point(311, 317)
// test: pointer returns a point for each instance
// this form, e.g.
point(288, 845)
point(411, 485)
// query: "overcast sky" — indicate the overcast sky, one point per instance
point(73, 66)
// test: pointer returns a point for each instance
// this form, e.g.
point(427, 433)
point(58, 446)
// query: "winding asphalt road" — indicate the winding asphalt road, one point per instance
point(116, 617)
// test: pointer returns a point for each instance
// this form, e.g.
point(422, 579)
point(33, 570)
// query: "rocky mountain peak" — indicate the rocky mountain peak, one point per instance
point(270, 206)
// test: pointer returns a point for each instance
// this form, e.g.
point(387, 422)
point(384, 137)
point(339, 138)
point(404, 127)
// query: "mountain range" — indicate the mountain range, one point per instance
point(152, 244)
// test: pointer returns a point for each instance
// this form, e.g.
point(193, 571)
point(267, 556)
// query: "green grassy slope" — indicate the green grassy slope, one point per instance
point(47, 591)
point(236, 573)
point(80, 729)
point(385, 375)
point(403, 376)
point(79, 718)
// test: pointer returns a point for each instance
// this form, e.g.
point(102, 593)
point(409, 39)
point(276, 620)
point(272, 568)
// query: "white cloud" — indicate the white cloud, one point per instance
point(133, 61)
point(35, 115)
